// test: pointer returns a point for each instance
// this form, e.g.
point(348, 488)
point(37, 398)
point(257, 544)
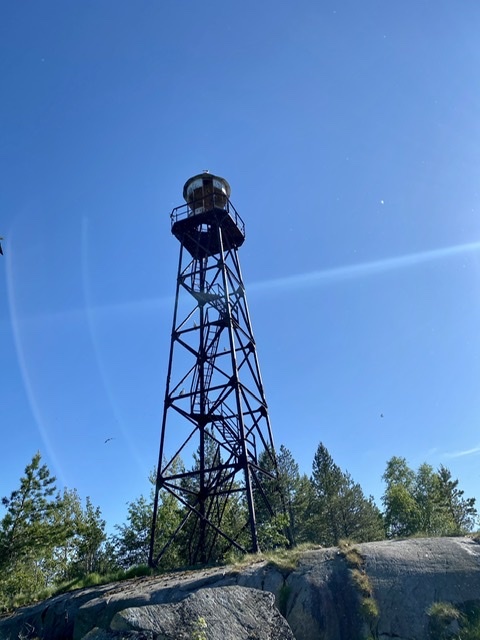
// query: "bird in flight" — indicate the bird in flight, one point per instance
point(108, 440)
point(1, 250)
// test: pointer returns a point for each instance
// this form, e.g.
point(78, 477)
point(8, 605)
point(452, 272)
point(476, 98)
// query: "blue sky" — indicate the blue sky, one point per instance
point(349, 133)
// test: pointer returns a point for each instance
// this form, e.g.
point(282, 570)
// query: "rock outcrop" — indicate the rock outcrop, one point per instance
point(410, 575)
point(319, 599)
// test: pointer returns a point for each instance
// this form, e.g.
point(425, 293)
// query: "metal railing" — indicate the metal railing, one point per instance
point(205, 204)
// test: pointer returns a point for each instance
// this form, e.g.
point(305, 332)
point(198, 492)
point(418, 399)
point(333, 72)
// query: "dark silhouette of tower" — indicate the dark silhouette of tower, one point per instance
point(215, 410)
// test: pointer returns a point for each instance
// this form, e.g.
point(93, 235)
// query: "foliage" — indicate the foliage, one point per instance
point(271, 533)
point(462, 511)
point(351, 553)
point(45, 537)
point(289, 497)
point(470, 622)
point(283, 596)
point(200, 539)
point(29, 530)
point(27, 527)
point(368, 605)
point(270, 503)
point(90, 580)
point(442, 617)
point(51, 542)
point(58, 563)
point(339, 508)
point(424, 502)
point(89, 538)
point(283, 559)
point(369, 610)
point(169, 516)
point(286, 560)
point(131, 544)
point(200, 629)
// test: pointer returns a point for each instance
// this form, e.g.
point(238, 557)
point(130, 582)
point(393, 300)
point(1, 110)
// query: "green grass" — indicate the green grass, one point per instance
point(90, 580)
point(199, 629)
point(283, 597)
point(355, 562)
point(369, 610)
point(443, 615)
point(285, 560)
point(96, 579)
point(351, 554)
point(361, 582)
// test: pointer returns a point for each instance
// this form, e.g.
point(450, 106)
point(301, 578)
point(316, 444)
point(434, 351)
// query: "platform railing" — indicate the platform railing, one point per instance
point(205, 204)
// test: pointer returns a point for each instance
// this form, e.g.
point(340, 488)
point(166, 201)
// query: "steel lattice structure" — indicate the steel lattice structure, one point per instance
point(215, 403)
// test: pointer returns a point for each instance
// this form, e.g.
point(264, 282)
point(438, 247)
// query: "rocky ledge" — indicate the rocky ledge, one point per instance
point(383, 589)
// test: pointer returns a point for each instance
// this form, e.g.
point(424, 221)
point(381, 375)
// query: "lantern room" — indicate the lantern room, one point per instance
point(206, 192)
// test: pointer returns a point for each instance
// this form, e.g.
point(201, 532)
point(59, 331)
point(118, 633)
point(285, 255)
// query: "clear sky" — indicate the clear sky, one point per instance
point(350, 134)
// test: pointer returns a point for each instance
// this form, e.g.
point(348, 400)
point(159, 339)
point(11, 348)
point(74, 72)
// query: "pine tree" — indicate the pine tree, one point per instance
point(462, 512)
point(29, 531)
point(289, 498)
point(297, 493)
point(339, 508)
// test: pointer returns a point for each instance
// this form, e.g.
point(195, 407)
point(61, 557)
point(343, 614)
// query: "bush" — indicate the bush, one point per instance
point(444, 619)
point(367, 604)
point(200, 629)
point(456, 622)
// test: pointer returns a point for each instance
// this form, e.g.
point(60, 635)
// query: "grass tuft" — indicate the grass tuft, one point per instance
point(351, 554)
point(369, 610)
point(367, 604)
point(285, 560)
point(362, 582)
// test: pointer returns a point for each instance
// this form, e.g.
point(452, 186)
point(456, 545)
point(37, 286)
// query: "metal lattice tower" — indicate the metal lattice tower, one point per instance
point(215, 406)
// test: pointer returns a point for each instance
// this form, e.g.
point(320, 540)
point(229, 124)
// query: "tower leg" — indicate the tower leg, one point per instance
point(215, 410)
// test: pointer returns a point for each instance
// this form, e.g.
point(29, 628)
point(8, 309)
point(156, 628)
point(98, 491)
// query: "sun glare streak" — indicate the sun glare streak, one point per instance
point(462, 454)
point(300, 281)
point(91, 326)
point(22, 361)
point(147, 305)
point(363, 269)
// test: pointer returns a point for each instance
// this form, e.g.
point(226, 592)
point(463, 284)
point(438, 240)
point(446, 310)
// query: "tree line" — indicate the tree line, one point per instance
point(50, 538)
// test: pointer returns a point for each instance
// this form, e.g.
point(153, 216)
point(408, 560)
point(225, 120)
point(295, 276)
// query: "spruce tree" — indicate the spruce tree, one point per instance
point(339, 508)
point(29, 531)
point(462, 511)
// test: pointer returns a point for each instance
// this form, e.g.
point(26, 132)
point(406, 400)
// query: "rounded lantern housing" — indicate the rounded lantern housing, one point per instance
point(206, 192)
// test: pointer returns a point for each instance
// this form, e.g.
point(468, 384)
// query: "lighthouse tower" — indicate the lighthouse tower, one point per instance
point(215, 413)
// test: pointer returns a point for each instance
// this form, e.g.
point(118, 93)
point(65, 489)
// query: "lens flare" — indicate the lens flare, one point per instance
point(22, 362)
point(364, 269)
point(89, 311)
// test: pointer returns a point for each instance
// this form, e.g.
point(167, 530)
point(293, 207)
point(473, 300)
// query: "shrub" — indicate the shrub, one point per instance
point(367, 604)
point(444, 617)
point(200, 629)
